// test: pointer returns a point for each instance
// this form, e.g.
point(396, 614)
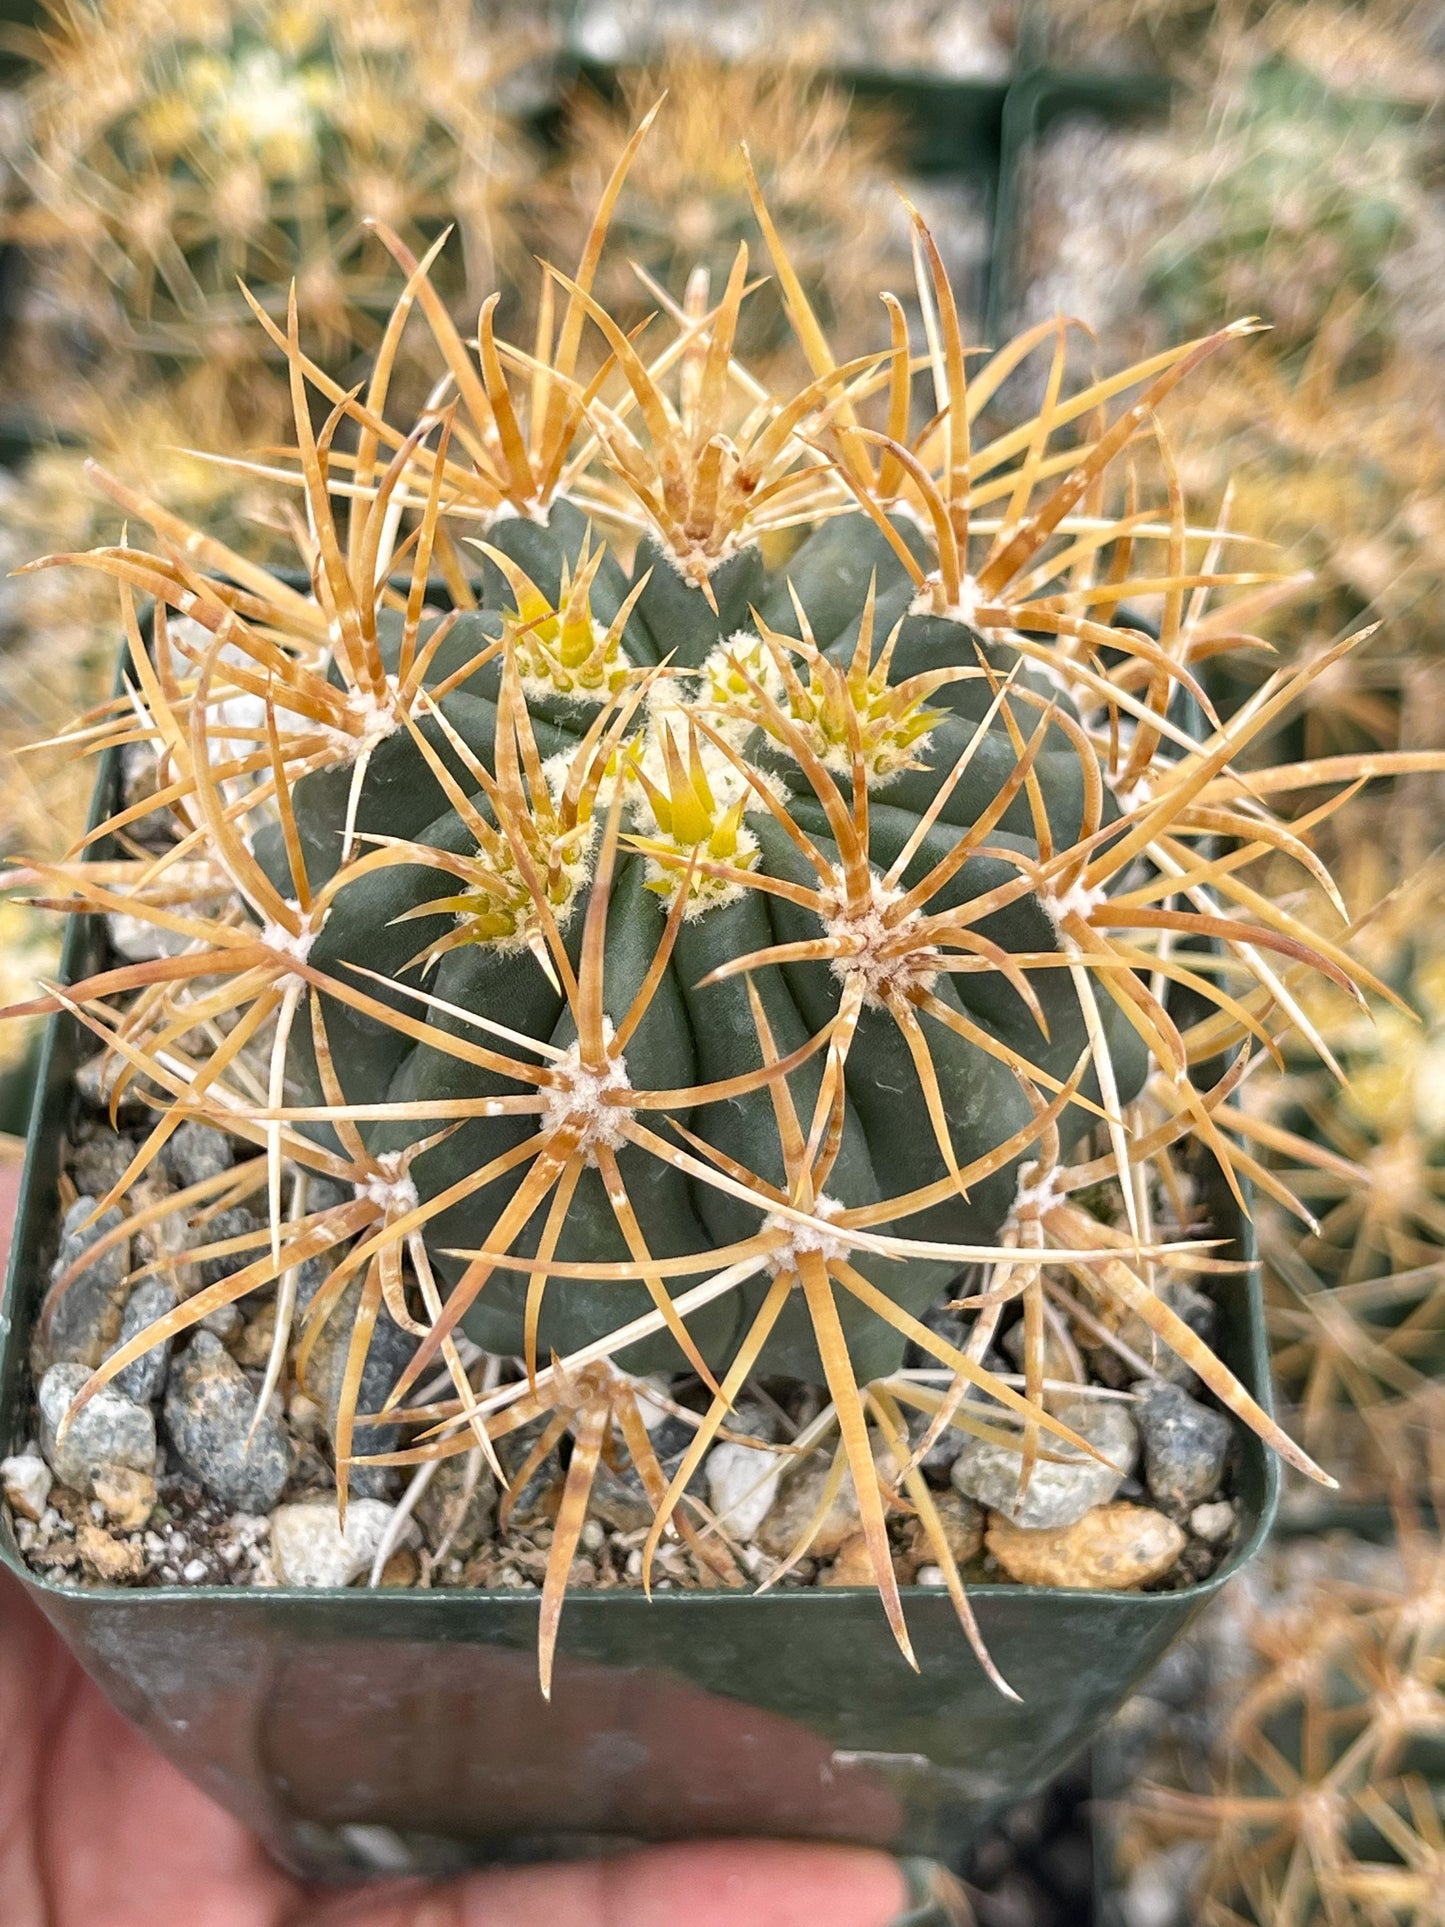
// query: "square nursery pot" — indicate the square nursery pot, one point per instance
point(360, 1731)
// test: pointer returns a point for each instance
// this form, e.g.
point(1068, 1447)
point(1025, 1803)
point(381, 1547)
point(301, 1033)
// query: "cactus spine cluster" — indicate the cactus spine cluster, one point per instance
point(696, 868)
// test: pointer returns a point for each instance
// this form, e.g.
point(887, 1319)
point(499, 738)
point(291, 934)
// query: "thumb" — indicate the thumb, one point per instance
point(717, 1884)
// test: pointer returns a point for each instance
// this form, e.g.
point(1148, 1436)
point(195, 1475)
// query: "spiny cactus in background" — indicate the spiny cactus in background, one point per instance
point(179, 148)
point(1296, 199)
point(824, 167)
point(1388, 48)
point(691, 959)
point(1321, 1804)
point(972, 41)
point(1357, 1304)
point(1347, 475)
point(57, 632)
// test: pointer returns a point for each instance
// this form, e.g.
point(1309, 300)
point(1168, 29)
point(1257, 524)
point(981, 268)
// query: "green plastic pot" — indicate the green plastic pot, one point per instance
point(359, 1730)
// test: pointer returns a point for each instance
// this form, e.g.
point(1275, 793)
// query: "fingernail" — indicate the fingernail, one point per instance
point(935, 1897)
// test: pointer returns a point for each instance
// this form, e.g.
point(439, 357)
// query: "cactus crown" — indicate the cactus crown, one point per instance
point(699, 867)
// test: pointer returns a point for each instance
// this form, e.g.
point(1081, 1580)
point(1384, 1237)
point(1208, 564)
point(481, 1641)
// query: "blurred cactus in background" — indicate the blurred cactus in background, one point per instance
point(177, 163)
point(1320, 1803)
point(1290, 207)
point(1356, 1132)
point(179, 149)
point(824, 169)
point(959, 39)
point(1346, 475)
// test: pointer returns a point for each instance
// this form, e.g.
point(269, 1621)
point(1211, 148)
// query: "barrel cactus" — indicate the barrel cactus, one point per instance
point(684, 871)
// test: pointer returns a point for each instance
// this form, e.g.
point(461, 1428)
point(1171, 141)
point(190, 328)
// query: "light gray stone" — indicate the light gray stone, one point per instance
point(1057, 1363)
point(209, 1407)
point(1199, 1313)
point(85, 1321)
point(742, 1483)
point(1185, 1443)
point(1212, 1523)
point(139, 774)
point(96, 1079)
point(137, 940)
point(937, 1461)
point(310, 1548)
point(235, 1223)
point(149, 1300)
point(225, 1322)
point(389, 1352)
point(197, 1152)
point(100, 1162)
point(1064, 1487)
point(111, 1430)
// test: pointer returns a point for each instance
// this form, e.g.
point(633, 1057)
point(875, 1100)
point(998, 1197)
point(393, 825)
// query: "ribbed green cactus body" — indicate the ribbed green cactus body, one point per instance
point(694, 1034)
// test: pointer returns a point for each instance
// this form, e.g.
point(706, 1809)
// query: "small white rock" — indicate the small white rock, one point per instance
point(194, 1572)
point(26, 1481)
point(1212, 1523)
point(1150, 1897)
point(929, 1576)
point(309, 1548)
point(653, 1411)
point(742, 1482)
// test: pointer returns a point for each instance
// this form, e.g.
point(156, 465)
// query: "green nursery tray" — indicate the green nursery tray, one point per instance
point(1035, 104)
point(18, 20)
point(359, 1730)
